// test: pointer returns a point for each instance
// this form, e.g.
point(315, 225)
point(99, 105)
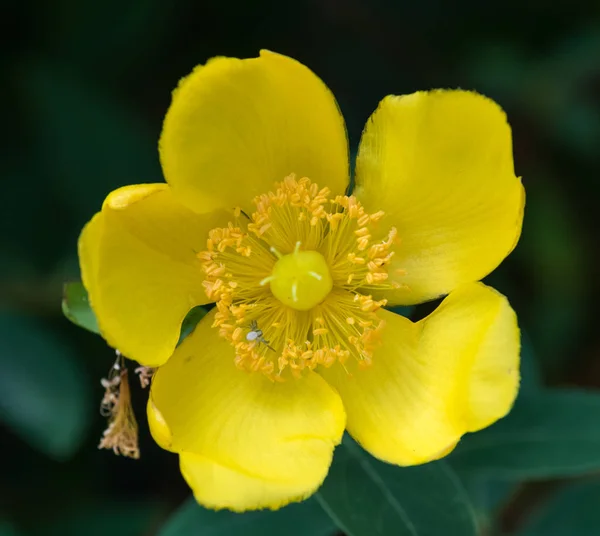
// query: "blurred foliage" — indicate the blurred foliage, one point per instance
point(86, 86)
point(295, 520)
point(573, 510)
point(45, 393)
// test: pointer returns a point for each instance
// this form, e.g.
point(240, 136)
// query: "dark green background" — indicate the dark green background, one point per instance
point(84, 89)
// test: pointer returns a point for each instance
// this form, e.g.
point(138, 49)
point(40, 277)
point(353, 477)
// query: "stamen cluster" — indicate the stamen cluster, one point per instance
point(239, 261)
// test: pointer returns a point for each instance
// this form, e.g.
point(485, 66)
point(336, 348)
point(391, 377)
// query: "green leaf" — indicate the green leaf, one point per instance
point(553, 435)
point(45, 397)
point(403, 310)
point(573, 511)
point(303, 519)
point(76, 307)
point(488, 497)
point(366, 497)
point(191, 320)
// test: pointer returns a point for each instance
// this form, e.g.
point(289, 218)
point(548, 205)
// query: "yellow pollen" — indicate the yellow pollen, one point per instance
point(294, 283)
point(301, 280)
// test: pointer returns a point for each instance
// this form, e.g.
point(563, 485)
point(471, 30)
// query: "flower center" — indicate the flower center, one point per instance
point(293, 283)
point(301, 279)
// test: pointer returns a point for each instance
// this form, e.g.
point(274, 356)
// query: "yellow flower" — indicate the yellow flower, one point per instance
point(253, 217)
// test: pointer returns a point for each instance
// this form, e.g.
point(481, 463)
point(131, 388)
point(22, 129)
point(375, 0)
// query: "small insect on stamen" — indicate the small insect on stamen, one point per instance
point(256, 334)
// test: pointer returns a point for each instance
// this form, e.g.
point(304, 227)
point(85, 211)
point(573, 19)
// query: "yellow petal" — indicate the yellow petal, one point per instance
point(218, 486)
point(158, 426)
point(237, 126)
point(440, 165)
point(453, 372)
point(282, 433)
point(139, 266)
